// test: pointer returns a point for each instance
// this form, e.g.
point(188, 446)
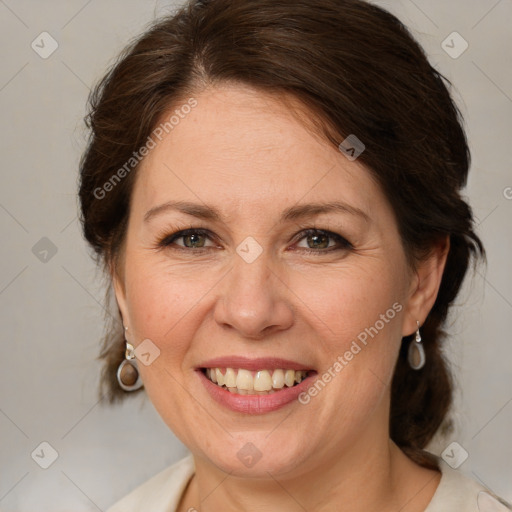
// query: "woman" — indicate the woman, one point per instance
point(274, 189)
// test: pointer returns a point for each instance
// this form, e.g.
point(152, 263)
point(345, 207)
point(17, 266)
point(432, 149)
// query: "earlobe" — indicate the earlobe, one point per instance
point(425, 285)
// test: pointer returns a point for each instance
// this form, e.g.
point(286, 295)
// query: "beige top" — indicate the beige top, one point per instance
point(163, 492)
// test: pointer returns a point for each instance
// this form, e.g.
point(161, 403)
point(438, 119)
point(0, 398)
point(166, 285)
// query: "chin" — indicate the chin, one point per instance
point(253, 455)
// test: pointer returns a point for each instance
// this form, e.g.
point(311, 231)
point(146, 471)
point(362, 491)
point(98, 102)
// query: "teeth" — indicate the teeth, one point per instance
point(289, 378)
point(262, 382)
point(278, 379)
point(230, 378)
point(244, 380)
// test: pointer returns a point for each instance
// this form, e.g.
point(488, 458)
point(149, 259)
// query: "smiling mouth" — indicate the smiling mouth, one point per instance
point(261, 382)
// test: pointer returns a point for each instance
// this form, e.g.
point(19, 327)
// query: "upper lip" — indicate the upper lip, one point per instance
point(259, 363)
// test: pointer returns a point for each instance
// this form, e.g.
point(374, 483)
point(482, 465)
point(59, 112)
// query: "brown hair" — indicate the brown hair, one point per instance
point(358, 71)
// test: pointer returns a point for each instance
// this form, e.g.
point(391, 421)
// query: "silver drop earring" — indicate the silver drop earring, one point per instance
point(128, 376)
point(416, 352)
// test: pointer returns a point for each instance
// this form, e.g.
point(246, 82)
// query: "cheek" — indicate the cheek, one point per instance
point(338, 310)
point(164, 306)
point(356, 314)
point(161, 298)
point(343, 303)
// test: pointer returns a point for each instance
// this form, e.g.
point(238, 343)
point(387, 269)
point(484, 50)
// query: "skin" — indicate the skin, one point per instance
point(246, 154)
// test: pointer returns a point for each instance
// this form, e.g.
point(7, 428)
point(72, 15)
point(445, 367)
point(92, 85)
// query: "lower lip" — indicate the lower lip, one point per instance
point(254, 404)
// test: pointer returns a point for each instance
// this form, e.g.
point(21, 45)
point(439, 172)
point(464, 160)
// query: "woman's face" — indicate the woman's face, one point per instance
point(293, 262)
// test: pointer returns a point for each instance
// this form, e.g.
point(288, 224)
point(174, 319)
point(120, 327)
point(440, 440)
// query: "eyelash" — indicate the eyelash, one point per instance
point(167, 241)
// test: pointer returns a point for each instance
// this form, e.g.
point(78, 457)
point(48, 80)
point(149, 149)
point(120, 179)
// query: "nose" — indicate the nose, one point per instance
point(254, 300)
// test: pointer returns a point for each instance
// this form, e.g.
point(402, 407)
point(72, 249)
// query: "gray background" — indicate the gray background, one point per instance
point(52, 311)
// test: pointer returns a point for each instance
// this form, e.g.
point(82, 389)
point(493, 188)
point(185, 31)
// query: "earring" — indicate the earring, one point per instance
point(416, 352)
point(128, 375)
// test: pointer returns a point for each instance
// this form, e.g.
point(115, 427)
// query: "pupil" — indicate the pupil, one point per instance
point(195, 240)
point(320, 241)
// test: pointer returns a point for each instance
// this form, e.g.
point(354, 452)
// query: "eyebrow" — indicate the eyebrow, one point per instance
point(294, 213)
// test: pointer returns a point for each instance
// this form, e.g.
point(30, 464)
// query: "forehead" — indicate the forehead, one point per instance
point(241, 146)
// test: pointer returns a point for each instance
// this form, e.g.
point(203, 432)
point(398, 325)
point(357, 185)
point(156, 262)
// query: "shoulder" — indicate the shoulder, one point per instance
point(162, 492)
point(459, 492)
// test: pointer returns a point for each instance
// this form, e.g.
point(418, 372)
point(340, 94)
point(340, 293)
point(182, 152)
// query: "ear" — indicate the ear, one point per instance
point(425, 283)
point(120, 291)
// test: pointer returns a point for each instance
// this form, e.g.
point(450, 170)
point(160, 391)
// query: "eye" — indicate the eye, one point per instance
point(192, 239)
point(319, 241)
